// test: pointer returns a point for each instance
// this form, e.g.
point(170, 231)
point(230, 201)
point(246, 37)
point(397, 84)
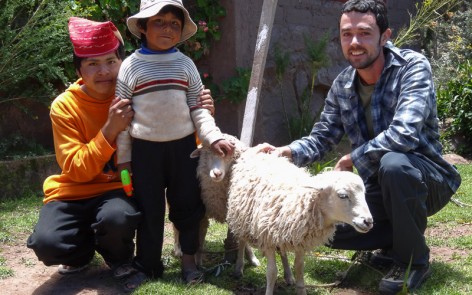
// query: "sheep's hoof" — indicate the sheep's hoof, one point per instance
point(231, 256)
point(237, 274)
point(254, 261)
point(290, 281)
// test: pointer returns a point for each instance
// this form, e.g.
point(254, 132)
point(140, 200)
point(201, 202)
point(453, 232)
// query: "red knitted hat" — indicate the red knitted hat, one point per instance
point(91, 38)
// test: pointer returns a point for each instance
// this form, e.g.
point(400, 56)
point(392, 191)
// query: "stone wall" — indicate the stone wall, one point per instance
point(294, 19)
point(23, 176)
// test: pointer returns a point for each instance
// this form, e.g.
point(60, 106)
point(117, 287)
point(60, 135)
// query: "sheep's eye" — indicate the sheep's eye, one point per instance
point(343, 196)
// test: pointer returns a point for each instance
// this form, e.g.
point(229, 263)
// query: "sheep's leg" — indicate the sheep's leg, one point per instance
point(177, 249)
point(239, 267)
point(271, 272)
point(250, 257)
point(201, 240)
point(299, 272)
point(288, 276)
point(231, 255)
point(231, 246)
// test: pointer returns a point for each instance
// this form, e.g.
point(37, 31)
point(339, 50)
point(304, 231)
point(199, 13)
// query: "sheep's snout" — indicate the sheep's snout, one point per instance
point(363, 224)
point(216, 174)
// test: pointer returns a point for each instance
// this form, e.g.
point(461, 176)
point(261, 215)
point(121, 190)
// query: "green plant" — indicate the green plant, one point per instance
point(34, 49)
point(448, 230)
point(282, 62)
point(455, 103)
point(235, 88)
point(426, 14)
point(5, 271)
point(315, 59)
point(207, 14)
point(115, 10)
point(17, 146)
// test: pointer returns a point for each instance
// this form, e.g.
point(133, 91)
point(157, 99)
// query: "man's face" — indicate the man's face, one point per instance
point(163, 31)
point(99, 75)
point(361, 41)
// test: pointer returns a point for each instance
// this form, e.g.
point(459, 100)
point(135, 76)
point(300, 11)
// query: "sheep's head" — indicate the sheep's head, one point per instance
point(344, 199)
point(214, 166)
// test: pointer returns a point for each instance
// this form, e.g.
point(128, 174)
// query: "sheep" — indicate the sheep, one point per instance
point(275, 206)
point(211, 172)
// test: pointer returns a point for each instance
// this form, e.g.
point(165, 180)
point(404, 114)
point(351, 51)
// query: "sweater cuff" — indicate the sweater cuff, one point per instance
point(103, 145)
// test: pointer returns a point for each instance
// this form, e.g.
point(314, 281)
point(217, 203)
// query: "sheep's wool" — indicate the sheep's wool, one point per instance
point(270, 207)
point(215, 194)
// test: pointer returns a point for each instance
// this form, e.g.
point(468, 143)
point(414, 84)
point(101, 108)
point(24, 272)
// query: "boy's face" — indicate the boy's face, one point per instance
point(99, 75)
point(163, 31)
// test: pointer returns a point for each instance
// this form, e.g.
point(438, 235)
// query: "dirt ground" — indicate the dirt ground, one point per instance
point(32, 277)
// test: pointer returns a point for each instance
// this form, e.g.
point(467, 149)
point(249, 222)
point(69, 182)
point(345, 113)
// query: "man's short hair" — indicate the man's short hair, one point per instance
point(377, 7)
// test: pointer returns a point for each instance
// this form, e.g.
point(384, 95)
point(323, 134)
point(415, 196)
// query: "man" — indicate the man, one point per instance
point(86, 209)
point(385, 103)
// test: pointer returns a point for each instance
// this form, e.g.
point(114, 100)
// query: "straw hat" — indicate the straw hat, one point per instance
point(150, 8)
point(90, 38)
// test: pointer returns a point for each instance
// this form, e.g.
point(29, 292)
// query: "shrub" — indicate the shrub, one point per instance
point(455, 103)
point(34, 49)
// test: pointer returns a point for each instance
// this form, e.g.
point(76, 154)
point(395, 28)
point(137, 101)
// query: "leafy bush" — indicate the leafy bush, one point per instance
point(235, 88)
point(449, 46)
point(455, 103)
point(34, 49)
point(315, 58)
point(17, 147)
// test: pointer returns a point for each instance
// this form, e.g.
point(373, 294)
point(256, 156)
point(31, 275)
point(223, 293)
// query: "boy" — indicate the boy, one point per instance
point(163, 84)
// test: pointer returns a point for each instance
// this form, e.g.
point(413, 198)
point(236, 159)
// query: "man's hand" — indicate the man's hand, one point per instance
point(344, 164)
point(120, 115)
point(222, 148)
point(283, 151)
point(206, 101)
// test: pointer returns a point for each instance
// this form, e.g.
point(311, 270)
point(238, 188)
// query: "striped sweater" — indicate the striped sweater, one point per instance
point(164, 89)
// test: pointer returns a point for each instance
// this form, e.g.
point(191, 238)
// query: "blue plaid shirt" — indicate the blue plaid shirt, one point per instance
point(404, 116)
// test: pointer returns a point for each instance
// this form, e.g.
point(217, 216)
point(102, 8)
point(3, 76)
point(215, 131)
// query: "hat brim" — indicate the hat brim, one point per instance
point(189, 29)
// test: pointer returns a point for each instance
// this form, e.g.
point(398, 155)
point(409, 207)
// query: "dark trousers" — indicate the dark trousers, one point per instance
point(164, 170)
point(405, 192)
point(69, 232)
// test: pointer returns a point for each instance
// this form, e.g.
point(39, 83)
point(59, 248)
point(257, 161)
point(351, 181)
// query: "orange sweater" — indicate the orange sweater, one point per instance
point(82, 151)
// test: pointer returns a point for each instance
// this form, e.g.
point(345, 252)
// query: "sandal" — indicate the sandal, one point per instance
point(68, 270)
point(192, 277)
point(123, 270)
point(134, 281)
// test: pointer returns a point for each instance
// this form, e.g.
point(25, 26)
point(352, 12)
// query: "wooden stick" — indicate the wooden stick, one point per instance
point(257, 74)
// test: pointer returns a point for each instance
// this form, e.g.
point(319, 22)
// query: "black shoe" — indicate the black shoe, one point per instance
point(379, 259)
point(394, 281)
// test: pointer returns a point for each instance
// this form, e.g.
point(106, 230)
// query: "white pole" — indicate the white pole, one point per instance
point(257, 74)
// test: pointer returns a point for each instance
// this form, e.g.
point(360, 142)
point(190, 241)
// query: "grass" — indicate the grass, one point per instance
point(449, 229)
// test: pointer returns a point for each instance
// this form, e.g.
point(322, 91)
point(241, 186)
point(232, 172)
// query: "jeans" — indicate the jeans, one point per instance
point(406, 190)
point(69, 232)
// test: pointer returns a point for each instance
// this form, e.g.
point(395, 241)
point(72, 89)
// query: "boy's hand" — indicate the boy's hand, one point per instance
point(126, 178)
point(206, 101)
point(127, 166)
point(222, 148)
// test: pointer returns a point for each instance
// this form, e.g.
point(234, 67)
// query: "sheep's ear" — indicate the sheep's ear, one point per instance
point(196, 153)
point(312, 184)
